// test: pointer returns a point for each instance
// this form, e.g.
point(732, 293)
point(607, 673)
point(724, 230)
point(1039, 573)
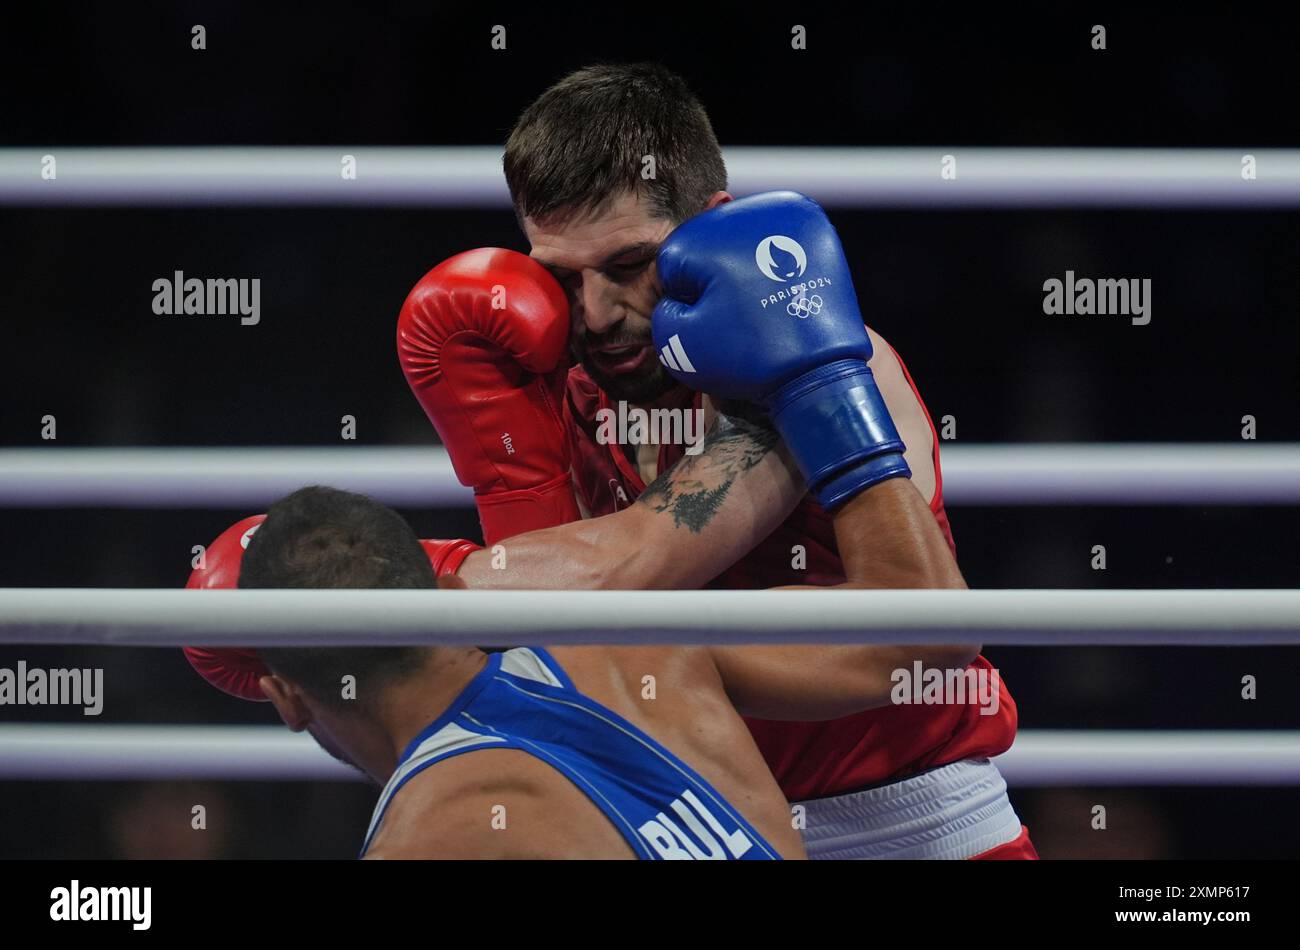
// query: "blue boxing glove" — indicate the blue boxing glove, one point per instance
point(758, 305)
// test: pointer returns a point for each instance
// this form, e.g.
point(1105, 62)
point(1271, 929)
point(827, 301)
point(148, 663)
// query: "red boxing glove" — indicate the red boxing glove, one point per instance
point(483, 341)
point(236, 670)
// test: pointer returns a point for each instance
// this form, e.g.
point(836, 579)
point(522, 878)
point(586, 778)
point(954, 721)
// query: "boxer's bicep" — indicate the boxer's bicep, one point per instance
point(694, 492)
point(689, 525)
point(712, 508)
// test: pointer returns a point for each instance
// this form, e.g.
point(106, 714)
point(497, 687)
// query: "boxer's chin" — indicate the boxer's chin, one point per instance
point(335, 751)
point(643, 385)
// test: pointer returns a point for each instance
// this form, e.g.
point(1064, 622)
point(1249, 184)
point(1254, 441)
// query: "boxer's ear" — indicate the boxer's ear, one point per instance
point(451, 582)
point(287, 702)
point(717, 198)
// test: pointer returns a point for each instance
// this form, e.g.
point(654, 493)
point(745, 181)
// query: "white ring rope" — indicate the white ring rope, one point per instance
point(1009, 474)
point(71, 752)
point(224, 477)
point(520, 618)
point(1173, 757)
point(470, 176)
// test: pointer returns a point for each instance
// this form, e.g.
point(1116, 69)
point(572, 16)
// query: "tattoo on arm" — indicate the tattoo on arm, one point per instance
point(693, 490)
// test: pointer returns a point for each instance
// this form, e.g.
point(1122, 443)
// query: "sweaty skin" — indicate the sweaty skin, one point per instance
point(447, 810)
point(691, 524)
point(707, 511)
point(888, 537)
point(698, 698)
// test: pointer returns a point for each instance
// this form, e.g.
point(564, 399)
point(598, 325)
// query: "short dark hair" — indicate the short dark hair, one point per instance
point(582, 142)
point(321, 537)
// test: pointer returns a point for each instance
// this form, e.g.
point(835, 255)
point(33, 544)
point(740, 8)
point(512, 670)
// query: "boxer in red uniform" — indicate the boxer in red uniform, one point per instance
point(476, 340)
point(601, 168)
point(332, 539)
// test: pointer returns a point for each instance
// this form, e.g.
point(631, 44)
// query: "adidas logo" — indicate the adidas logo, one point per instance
point(674, 356)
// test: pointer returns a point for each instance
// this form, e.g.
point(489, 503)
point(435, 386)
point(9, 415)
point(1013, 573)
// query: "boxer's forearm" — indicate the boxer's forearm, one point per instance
point(689, 525)
point(887, 537)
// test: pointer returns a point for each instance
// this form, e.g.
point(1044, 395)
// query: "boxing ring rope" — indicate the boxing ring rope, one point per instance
point(325, 618)
point(470, 176)
point(72, 752)
point(224, 477)
point(1246, 473)
point(1039, 758)
point(1237, 473)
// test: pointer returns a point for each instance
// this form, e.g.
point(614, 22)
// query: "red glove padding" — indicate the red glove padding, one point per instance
point(491, 380)
point(236, 670)
point(232, 670)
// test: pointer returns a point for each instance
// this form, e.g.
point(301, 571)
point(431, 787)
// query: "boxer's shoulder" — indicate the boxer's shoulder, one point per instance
point(493, 804)
point(673, 694)
point(627, 677)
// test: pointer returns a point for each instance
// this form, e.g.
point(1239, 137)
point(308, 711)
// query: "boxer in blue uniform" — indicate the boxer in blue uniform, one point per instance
point(581, 751)
point(522, 699)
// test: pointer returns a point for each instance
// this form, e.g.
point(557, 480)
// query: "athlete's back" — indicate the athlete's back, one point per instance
point(593, 752)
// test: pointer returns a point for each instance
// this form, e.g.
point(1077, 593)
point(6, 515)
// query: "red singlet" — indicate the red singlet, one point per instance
point(809, 759)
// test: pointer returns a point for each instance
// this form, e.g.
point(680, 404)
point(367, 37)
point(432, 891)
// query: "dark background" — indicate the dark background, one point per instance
point(957, 292)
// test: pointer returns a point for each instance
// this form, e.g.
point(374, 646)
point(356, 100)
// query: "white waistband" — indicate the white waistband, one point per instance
point(953, 812)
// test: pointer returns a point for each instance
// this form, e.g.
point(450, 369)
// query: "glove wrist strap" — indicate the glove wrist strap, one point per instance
point(837, 427)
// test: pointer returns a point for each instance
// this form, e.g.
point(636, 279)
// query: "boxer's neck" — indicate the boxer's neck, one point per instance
point(645, 457)
point(675, 397)
point(410, 705)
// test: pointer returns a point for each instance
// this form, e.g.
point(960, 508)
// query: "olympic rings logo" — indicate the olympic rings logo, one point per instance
point(804, 307)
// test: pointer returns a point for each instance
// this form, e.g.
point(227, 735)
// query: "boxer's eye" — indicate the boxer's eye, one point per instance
point(628, 270)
